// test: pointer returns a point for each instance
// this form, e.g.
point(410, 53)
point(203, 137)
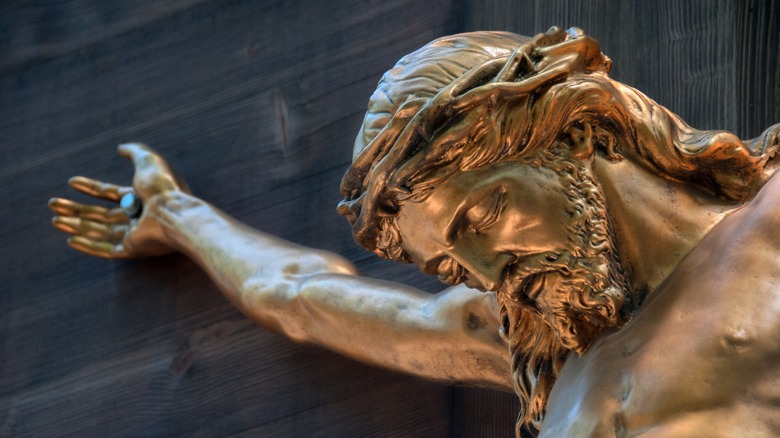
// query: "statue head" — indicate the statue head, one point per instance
point(474, 162)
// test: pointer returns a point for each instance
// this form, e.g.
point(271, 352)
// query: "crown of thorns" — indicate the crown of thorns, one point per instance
point(391, 156)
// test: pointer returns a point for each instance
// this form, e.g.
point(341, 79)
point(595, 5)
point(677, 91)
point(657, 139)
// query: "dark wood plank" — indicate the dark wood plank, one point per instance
point(257, 104)
point(712, 62)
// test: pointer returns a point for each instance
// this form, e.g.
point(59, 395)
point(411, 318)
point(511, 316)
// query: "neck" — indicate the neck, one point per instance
point(656, 222)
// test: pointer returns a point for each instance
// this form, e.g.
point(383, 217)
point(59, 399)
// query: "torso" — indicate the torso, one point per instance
point(701, 358)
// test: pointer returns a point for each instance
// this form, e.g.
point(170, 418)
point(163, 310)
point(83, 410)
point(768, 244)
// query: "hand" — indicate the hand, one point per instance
point(109, 232)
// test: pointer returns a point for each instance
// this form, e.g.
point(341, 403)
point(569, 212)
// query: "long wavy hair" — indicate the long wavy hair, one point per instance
point(471, 100)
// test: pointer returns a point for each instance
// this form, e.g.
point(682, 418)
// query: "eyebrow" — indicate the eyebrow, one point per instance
point(452, 229)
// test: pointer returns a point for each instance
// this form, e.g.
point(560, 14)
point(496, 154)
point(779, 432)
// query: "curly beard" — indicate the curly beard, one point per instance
point(561, 301)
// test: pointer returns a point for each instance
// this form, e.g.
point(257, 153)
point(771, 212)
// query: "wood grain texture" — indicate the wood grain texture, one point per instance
point(257, 104)
point(715, 63)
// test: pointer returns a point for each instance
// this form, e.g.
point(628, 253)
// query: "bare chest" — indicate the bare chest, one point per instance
point(701, 358)
point(716, 380)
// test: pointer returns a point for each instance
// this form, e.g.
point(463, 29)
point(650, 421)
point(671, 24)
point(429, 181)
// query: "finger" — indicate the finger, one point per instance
point(138, 153)
point(91, 229)
point(65, 207)
point(102, 214)
point(98, 249)
point(66, 224)
point(99, 189)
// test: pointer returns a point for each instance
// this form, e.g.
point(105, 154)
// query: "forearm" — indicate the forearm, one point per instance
point(452, 337)
point(316, 297)
point(239, 258)
point(306, 294)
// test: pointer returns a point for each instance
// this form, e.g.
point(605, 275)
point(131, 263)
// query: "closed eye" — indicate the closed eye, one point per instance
point(486, 218)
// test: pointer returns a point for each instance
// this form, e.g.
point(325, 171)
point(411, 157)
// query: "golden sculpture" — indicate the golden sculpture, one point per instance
point(634, 259)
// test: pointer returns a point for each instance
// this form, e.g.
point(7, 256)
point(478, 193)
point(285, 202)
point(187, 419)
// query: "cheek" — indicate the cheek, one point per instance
point(417, 241)
point(540, 226)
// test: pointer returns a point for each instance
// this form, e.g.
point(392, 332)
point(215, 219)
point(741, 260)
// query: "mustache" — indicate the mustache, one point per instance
point(572, 295)
point(452, 273)
point(522, 277)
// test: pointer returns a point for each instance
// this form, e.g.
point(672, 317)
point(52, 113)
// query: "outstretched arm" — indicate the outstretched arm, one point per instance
point(311, 296)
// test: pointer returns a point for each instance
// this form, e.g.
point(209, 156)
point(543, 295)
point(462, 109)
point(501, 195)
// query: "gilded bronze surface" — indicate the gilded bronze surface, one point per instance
point(632, 260)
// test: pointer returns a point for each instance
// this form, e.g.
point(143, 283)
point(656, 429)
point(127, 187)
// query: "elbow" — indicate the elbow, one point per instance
point(278, 306)
point(279, 298)
point(321, 262)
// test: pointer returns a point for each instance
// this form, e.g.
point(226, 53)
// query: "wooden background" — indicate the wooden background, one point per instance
point(257, 104)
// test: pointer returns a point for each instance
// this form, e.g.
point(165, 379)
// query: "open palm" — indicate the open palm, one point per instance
point(107, 231)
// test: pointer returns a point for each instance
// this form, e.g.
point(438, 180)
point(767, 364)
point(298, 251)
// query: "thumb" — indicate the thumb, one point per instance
point(138, 153)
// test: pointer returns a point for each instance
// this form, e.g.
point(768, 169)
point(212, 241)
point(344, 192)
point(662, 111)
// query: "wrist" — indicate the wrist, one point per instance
point(182, 218)
point(171, 202)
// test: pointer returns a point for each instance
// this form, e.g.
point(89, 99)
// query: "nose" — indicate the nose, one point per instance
point(487, 269)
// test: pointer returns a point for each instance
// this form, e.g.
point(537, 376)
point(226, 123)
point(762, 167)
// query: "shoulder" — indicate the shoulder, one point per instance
point(765, 202)
point(755, 226)
point(751, 227)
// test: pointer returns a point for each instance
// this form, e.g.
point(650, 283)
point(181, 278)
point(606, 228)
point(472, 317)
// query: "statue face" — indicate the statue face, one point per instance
point(485, 220)
point(536, 235)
